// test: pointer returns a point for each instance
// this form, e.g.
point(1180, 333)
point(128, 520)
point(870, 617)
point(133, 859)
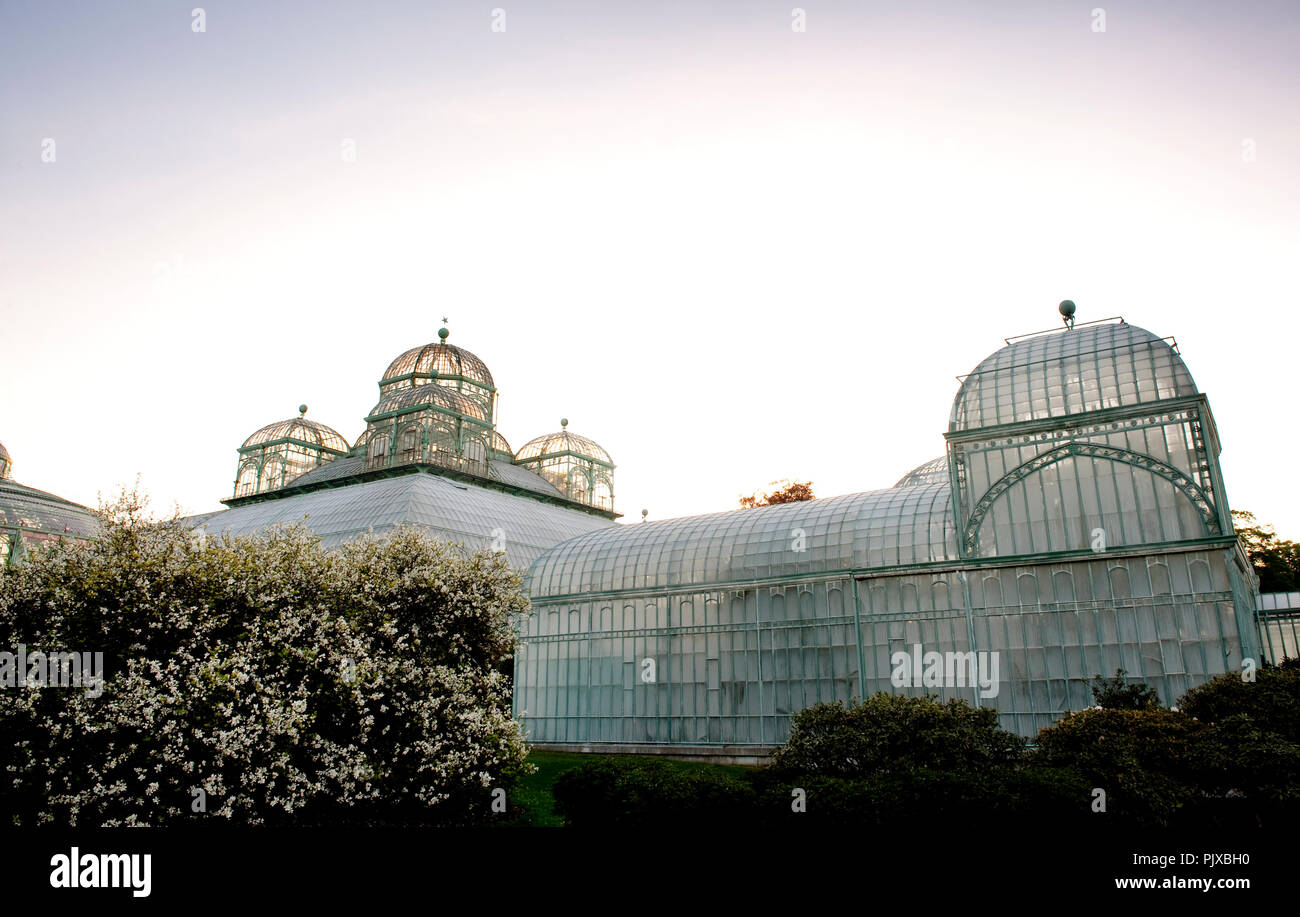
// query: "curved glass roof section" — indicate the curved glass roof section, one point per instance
point(934, 471)
point(455, 511)
point(299, 430)
point(6, 463)
point(499, 443)
point(435, 396)
point(563, 443)
point(1086, 368)
point(421, 365)
point(28, 509)
point(880, 529)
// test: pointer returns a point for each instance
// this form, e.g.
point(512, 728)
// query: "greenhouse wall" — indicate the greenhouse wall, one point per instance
point(731, 667)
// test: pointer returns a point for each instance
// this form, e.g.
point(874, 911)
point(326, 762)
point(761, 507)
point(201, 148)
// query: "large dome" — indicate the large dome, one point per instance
point(1087, 368)
point(440, 362)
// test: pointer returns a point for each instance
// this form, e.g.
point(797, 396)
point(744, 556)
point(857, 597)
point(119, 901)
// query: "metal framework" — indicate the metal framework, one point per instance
point(576, 465)
point(279, 453)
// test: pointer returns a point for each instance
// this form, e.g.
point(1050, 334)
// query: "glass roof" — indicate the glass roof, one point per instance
point(562, 443)
point(28, 508)
point(300, 430)
point(454, 510)
point(437, 360)
point(499, 443)
point(437, 396)
point(1087, 368)
point(880, 529)
point(934, 471)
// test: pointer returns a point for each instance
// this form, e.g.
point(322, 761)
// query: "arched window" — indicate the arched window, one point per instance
point(272, 475)
point(475, 455)
point(247, 482)
point(602, 494)
point(411, 443)
point(579, 486)
point(377, 451)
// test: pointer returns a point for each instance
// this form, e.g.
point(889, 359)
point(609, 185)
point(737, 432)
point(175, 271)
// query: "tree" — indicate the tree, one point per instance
point(1117, 694)
point(260, 679)
point(786, 492)
point(1276, 561)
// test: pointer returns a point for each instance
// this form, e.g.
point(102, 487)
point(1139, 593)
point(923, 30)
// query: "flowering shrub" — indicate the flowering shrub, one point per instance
point(261, 679)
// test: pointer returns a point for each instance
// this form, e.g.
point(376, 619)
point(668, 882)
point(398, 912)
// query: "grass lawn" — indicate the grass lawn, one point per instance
point(534, 795)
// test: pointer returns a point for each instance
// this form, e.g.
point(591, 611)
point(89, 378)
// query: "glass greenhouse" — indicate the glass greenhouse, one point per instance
point(31, 517)
point(1076, 525)
point(430, 455)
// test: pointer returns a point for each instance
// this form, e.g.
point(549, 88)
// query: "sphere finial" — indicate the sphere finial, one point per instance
point(1067, 312)
point(564, 422)
point(442, 335)
point(644, 513)
point(302, 410)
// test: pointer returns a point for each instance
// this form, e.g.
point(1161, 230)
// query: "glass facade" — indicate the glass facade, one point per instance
point(1077, 525)
point(31, 517)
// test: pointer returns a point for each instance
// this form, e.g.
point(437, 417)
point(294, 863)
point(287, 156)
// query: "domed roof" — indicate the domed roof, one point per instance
point(563, 443)
point(1086, 368)
point(441, 361)
point(6, 463)
point(437, 396)
point(299, 430)
point(934, 471)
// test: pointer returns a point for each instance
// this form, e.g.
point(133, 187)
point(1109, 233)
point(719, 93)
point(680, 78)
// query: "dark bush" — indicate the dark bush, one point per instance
point(650, 791)
point(1140, 758)
point(893, 734)
point(1272, 700)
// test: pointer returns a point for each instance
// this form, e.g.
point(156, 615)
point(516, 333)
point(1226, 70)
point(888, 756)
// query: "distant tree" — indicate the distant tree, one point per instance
point(1276, 562)
point(786, 492)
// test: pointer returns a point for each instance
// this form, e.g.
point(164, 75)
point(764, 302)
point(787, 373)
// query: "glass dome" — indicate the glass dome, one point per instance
point(1087, 368)
point(443, 363)
point(280, 452)
point(577, 466)
point(934, 471)
point(428, 396)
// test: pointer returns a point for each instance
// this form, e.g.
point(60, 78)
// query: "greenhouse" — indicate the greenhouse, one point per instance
point(430, 455)
point(31, 517)
point(1076, 525)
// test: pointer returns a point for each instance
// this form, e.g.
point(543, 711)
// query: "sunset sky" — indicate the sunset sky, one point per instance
point(726, 250)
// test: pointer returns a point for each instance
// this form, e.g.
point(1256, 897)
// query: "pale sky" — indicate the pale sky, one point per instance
point(728, 251)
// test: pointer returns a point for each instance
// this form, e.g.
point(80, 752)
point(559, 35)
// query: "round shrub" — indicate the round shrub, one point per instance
point(891, 734)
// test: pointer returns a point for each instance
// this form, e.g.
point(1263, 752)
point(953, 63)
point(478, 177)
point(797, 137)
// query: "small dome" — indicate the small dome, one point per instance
point(563, 443)
point(436, 362)
point(6, 463)
point(934, 471)
point(436, 396)
point(299, 430)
